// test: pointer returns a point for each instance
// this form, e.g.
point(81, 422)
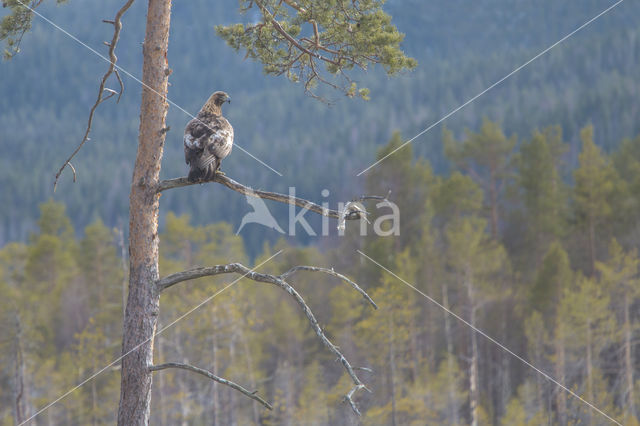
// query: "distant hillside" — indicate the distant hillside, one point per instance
point(48, 88)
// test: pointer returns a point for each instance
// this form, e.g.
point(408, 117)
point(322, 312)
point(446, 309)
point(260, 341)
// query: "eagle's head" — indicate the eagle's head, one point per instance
point(218, 98)
point(215, 101)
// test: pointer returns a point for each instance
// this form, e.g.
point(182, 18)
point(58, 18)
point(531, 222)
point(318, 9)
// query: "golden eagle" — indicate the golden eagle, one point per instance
point(208, 139)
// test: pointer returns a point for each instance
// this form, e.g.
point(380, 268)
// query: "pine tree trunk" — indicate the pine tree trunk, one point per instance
point(162, 404)
point(505, 379)
point(94, 401)
point(561, 396)
point(473, 368)
point(493, 194)
point(183, 388)
point(143, 301)
point(252, 378)
point(415, 356)
point(589, 370)
point(473, 373)
point(392, 365)
point(592, 244)
point(18, 379)
point(232, 395)
point(628, 358)
point(449, 339)
point(215, 398)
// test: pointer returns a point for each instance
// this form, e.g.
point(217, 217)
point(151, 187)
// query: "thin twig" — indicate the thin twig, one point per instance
point(73, 169)
point(335, 274)
point(117, 27)
point(367, 369)
point(277, 280)
point(349, 397)
point(211, 376)
point(115, 71)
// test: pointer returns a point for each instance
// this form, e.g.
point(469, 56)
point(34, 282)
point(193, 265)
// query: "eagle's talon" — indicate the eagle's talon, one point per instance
point(220, 172)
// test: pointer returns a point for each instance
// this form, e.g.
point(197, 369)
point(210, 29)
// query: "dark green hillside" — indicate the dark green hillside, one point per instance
point(48, 88)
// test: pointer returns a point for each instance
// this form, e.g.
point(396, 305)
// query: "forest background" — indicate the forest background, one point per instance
point(521, 215)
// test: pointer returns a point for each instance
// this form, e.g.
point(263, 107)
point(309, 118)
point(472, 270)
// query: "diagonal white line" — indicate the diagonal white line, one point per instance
point(492, 340)
point(181, 317)
point(590, 21)
point(139, 81)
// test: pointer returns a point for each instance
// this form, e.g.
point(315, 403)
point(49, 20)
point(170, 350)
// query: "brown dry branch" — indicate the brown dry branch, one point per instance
point(279, 281)
point(351, 211)
point(117, 27)
point(253, 395)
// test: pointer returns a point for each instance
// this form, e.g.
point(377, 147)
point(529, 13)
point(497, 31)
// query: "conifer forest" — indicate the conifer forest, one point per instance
point(495, 146)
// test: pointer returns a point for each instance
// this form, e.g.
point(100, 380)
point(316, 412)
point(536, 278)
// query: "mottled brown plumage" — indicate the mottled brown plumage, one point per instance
point(208, 139)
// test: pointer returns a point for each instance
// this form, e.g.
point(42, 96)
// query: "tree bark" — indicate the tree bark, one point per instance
point(392, 371)
point(592, 244)
point(493, 194)
point(162, 403)
point(473, 368)
point(505, 378)
point(589, 370)
point(252, 378)
point(143, 301)
point(473, 374)
point(453, 404)
point(628, 358)
point(18, 377)
point(215, 397)
point(561, 396)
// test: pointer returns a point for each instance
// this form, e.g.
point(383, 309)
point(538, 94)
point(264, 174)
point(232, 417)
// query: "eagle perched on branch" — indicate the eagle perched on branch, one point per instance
point(208, 139)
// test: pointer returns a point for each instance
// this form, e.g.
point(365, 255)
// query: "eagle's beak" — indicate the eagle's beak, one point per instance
point(229, 99)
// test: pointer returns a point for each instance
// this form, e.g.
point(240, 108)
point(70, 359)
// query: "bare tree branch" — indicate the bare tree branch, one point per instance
point(278, 280)
point(253, 395)
point(257, 193)
point(351, 212)
point(330, 272)
point(117, 27)
point(349, 397)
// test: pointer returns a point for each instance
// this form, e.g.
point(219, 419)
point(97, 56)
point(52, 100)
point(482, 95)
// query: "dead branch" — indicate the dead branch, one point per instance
point(257, 193)
point(335, 274)
point(279, 281)
point(349, 397)
point(350, 212)
point(253, 395)
point(117, 27)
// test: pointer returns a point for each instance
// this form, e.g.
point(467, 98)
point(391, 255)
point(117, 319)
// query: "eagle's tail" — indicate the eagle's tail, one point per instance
point(203, 172)
point(195, 174)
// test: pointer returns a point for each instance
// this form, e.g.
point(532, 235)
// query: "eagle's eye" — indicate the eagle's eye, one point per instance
point(220, 99)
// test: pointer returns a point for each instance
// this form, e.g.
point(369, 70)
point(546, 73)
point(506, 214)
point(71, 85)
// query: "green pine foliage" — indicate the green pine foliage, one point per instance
point(297, 39)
